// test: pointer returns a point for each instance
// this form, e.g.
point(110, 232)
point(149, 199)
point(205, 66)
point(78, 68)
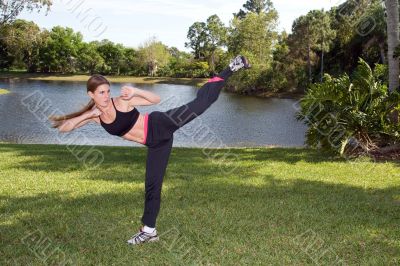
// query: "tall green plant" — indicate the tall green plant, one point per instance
point(350, 115)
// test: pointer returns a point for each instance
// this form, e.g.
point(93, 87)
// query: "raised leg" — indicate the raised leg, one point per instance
point(177, 117)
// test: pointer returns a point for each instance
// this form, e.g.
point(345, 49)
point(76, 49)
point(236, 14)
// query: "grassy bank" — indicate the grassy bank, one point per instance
point(138, 80)
point(3, 91)
point(84, 78)
point(269, 207)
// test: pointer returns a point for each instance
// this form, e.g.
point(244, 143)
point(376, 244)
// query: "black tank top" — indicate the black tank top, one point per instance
point(123, 122)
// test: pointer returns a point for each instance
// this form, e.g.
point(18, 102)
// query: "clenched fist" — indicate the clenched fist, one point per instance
point(127, 92)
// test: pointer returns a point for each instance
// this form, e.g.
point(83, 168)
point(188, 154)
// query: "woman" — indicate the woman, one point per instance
point(119, 117)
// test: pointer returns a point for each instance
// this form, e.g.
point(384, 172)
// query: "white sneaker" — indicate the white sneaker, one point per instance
point(239, 62)
point(142, 237)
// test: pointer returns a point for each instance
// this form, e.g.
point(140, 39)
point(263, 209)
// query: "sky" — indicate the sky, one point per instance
point(132, 22)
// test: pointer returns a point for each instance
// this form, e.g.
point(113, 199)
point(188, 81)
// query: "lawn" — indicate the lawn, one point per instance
point(271, 206)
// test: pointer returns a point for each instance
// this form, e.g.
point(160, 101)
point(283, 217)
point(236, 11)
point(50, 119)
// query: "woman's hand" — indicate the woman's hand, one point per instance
point(95, 112)
point(127, 92)
point(138, 97)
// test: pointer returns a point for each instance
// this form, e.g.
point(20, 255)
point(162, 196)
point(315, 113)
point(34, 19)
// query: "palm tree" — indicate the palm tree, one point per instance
point(392, 7)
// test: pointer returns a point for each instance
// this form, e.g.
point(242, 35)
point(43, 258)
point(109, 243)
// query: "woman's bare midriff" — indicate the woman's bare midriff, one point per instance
point(137, 131)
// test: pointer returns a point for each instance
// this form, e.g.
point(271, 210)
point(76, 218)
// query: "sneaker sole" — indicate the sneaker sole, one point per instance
point(246, 64)
point(153, 239)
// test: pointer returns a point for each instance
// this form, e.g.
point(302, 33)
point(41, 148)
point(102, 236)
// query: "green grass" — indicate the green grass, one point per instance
point(4, 91)
point(84, 78)
point(278, 207)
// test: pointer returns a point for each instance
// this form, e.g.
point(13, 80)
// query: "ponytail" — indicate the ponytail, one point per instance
point(59, 120)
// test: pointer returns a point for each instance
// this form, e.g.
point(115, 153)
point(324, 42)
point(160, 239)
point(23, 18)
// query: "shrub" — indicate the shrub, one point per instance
point(351, 116)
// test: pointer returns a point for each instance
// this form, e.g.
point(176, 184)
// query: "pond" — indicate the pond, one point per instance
point(232, 121)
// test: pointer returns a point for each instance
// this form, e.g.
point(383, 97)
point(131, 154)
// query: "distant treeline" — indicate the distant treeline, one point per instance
point(321, 41)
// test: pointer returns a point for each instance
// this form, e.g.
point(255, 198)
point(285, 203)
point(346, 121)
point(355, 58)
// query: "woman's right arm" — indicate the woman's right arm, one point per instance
point(72, 123)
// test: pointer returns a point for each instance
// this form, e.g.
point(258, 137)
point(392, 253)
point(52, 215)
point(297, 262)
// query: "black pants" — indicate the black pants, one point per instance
point(161, 128)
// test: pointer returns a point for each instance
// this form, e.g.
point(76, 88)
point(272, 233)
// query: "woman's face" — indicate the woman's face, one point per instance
point(101, 95)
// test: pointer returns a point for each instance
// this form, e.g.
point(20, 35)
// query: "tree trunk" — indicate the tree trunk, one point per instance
point(309, 62)
point(322, 65)
point(198, 52)
point(392, 8)
point(382, 51)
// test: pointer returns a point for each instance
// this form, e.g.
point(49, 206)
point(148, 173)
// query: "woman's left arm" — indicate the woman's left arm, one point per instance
point(138, 97)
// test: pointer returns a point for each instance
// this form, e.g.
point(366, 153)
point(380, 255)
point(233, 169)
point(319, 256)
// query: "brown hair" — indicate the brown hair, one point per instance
point(91, 85)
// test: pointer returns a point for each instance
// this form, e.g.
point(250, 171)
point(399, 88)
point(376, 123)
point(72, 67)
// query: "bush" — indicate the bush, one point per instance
point(246, 82)
point(197, 69)
point(351, 116)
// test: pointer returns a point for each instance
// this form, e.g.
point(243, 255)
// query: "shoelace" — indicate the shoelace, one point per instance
point(138, 237)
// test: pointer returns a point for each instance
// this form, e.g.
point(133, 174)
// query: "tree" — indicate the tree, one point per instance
point(255, 6)
point(197, 36)
point(217, 37)
point(377, 36)
point(174, 52)
point(325, 35)
point(10, 9)
point(303, 34)
point(178, 62)
point(89, 59)
point(23, 38)
point(392, 7)
point(154, 54)
point(59, 53)
point(6, 58)
point(129, 64)
point(315, 33)
point(255, 34)
point(282, 75)
point(361, 32)
point(206, 37)
point(113, 55)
